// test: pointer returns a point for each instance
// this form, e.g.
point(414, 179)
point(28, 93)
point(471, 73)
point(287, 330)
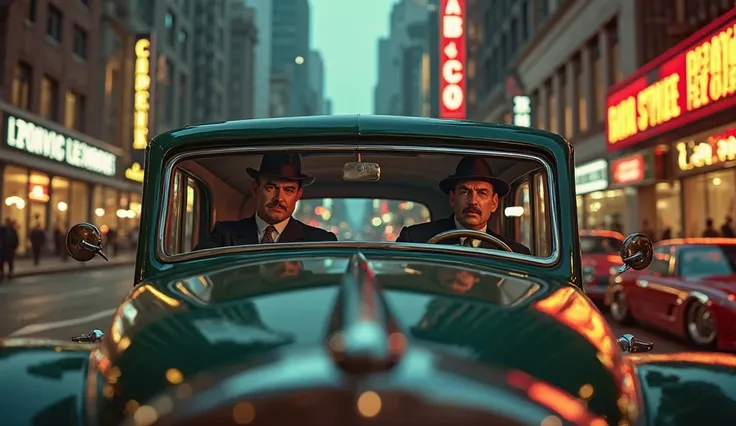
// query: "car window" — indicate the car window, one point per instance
point(705, 260)
point(660, 261)
point(526, 215)
point(361, 219)
point(600, 245)
point(186, 207)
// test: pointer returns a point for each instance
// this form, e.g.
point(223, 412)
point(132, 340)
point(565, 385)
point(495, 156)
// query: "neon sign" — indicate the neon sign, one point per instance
point(715, 150)
point(135, 172)
point(452, 59)
point(689, 82)
point(141, 102)
point(522, 110)
point(628, 169)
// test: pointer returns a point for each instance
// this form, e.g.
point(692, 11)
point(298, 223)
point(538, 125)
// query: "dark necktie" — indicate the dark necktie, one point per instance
point(268, 235)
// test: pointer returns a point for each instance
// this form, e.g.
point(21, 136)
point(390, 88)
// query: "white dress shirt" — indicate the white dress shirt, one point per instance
point(262, 225)
point(476, 243)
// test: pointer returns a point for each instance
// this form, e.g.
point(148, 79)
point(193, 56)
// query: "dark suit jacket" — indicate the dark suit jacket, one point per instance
point(423, 232)
point(245, 232)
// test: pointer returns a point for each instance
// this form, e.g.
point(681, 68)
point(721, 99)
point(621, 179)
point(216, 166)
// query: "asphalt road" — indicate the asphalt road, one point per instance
point(64, 305)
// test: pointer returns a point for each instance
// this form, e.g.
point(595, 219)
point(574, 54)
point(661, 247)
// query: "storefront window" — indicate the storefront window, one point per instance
point(106, 208)
point(59, 203)
point(78, 203)
point(605, 210)
point(38, 195)
point(669, 223)
point(709, 196)
point(15, 191)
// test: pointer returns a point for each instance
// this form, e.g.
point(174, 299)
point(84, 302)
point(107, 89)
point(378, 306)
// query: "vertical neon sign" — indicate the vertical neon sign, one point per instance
point(452, 59)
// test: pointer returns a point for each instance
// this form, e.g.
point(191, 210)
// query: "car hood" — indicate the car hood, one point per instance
point(356, 317)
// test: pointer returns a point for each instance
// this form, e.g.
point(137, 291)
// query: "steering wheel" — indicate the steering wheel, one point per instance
point(476, 235)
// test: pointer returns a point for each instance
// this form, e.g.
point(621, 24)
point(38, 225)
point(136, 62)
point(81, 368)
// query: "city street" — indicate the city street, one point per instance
point(63, 305)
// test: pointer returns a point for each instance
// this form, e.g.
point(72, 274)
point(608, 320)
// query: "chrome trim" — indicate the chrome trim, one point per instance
point(163, 257)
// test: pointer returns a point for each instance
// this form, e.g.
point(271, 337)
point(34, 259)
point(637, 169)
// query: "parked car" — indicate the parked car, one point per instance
point(689, 290)
point(436, 332)
point(599, 250)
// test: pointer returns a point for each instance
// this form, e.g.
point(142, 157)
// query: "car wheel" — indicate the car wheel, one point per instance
point(700, 325)
point(620, 309)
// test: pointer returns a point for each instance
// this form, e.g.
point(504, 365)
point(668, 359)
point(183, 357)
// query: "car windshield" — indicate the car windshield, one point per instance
point(599, 245)
point(230, 200)
point(707, 260)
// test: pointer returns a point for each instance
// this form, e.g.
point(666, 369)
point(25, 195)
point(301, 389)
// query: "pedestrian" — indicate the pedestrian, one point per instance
point(710, 231)
point(38, 239)
point(8, 247)
point(727, 228)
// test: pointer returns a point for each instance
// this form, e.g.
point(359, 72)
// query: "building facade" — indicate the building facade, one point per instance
point(317, 81)
point(290, 49)
point(211, 61)
point(59, 164)
point(241, 78)
point(262, 65)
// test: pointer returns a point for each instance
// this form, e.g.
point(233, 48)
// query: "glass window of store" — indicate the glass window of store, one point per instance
point(60, 196)
point(668, 223)
point(15, 204)
point(709, 196)
point(106, 207)
point(38, 197)
point(604, 210)
point(78, 203)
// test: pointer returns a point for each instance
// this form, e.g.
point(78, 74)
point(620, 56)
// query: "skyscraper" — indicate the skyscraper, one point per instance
point(211, 61)
point(262, 66)
point(317, 81)
point(290, 51)
point(241, 78)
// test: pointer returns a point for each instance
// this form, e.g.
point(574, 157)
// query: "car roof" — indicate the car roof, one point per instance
point(697, 241)
point(603, 233)
point(354, 125)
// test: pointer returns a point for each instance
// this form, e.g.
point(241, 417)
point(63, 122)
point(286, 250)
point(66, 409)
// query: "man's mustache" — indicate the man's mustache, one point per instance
point(472, 209)
point(276, 203)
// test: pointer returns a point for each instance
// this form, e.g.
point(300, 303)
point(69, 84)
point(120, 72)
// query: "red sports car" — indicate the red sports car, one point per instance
point(689, 289)
point(600, 252)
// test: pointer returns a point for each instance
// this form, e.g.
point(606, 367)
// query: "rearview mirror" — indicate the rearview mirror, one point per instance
point(636, 252)
point(84, 241)
point(358, 171)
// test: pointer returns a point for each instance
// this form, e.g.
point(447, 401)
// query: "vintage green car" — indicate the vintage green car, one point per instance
point(376, 300)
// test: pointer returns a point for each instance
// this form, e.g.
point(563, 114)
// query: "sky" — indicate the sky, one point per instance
point(347, 33)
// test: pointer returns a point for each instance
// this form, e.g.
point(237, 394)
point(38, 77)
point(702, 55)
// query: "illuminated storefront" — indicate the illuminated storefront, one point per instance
point(598, 206)
point(49, 177)
point(671, 129)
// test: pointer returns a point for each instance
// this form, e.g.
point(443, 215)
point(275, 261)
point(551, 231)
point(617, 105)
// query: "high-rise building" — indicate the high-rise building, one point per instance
point(62, 108)
point(388, 93)
point(261, 105)
point(210, 64)
point(317, 81)
point(171, 24)
point(290, 51)
point(241, 78)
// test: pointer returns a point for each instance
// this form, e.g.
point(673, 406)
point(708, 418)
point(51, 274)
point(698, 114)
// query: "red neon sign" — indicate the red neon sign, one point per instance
point(452, 59)
point(690, 81)
point(628, 169)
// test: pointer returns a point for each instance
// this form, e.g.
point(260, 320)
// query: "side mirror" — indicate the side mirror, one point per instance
point(631, 344)
point(84, 242)
point(636, 252)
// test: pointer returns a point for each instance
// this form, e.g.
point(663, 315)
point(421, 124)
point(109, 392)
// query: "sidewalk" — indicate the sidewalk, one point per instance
point(51, 265)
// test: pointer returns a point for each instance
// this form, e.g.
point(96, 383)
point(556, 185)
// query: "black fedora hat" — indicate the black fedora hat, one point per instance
point(283, 166)
point(474, 168)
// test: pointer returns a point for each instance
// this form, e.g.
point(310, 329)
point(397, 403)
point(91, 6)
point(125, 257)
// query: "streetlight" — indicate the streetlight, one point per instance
point(299, 60)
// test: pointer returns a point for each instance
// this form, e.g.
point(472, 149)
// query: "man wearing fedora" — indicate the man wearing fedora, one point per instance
point(473, 192)
point(277, 186)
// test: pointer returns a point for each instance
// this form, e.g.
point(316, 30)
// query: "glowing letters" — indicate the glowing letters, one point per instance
point(692, 83)
point(452, 59)
point(717, 149)
point(142, 97)
point(522, 110)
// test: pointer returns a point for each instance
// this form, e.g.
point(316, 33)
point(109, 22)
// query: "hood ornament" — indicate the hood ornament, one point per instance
point(94, 336)
point(631, 344)
point(363, 335)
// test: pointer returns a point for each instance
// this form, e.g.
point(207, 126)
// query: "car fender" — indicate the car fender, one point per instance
point(43, 382)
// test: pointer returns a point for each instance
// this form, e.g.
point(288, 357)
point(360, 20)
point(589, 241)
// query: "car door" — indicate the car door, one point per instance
point(650, 288)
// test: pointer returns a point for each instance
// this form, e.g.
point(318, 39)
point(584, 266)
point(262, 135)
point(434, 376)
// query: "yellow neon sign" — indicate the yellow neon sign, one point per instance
point(142, 97)
point(711, 69)
point(693, 155)
point(135, 172)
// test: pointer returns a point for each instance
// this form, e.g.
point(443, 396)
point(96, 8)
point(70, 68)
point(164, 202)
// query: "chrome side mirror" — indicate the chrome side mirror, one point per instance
point(93, 337)
point(636, 252)
point(631, 344)
point(84, 242)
